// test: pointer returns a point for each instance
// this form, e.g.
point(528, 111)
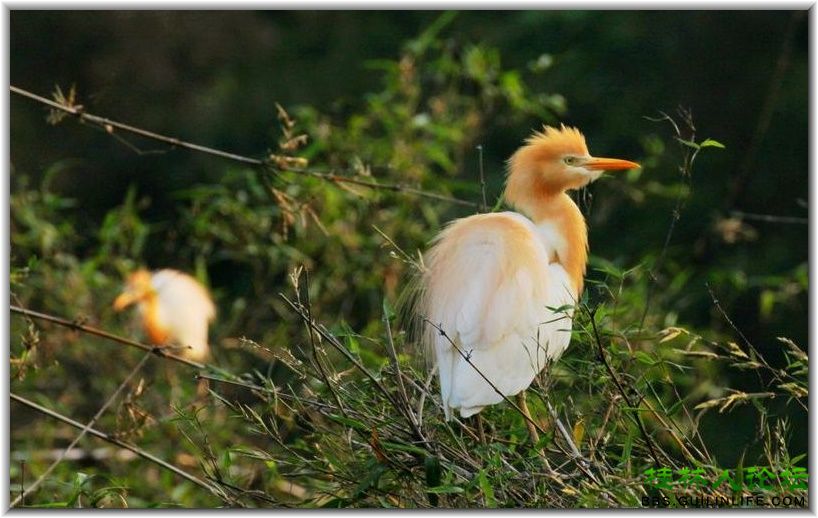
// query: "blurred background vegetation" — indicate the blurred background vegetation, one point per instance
point(399, 98)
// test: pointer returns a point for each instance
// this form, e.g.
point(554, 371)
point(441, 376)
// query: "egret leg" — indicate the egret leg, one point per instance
point(532, 430)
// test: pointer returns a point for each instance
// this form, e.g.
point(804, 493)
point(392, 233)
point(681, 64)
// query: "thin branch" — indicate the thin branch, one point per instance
point(332, 340)
point(484, 206)
point(394, 187)
point(393, 356)
point(110, 125)
point(425, 390)
point(685, 169)
point(727, 318)
point(159, 351)
point(82, 433)
point(317, 357)
point(102, 435)
point(562, 430)
point(776, 373)
point(769, 218)
point(619, 387)
point(671, 427)
point(258, 388)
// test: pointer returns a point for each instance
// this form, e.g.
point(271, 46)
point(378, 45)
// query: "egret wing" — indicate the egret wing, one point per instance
point(487, 288)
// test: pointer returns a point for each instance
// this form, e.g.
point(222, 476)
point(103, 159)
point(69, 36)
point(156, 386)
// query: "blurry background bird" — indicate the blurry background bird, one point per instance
point(498, 288)
point(174, 308)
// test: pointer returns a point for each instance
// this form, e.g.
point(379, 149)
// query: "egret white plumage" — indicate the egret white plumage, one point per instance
point(493, 281)
point(175, 309)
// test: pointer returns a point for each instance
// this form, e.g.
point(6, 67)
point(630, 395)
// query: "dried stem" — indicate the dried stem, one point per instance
point(315, 355)
point(102, 435)
point(332, 340)
point(110, 126)
point(393, 356)
point(604, 359)
point(484, 207)
point(159, 351)
point(85, 429)
point(770, 218)
point(685, 169)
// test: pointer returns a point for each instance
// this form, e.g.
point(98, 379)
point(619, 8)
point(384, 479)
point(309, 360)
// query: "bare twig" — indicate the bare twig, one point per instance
point(685, 169)
point(769, 218)
point(604, 359)
point(82, 433)
point(671, 427)
point(484, 207)
point(159, 351)
point(393, 356)
point(394, 187)
point(315, 355)
point(777, 374)
point(102, 435)
point(727, 318)
point(423, 393)
point(332, 340)
point(562, 430)
point(110, 125)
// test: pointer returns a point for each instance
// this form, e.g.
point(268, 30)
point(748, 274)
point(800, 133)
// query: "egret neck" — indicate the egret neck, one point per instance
point(562, 227)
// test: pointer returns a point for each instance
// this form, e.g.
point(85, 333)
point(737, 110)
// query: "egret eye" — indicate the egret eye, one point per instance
point(570, 160)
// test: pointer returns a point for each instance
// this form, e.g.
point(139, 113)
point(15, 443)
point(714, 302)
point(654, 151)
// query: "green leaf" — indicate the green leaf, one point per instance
point(512, 85)
point(643, 357)
point(688, 143)
point(626, 447)
point(419, 45)
point(711, 143)
point(441, 490)
point(485, 487)
point(766, 304)
point(498, 205)
point(358, 425)
point(52, 505)
point(388, 312)
point(794, 460)
point(544, 441)
point(396, 446)
point(371, 479)
point(432, 466)
point(351, 343)
point(610, 269)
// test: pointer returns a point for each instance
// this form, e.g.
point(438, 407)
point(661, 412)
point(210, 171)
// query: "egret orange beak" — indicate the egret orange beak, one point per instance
point(124, 300)
point(610, 164)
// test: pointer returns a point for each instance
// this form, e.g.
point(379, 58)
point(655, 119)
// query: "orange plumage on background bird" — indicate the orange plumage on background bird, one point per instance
point(490, 279)
point(174, 308)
